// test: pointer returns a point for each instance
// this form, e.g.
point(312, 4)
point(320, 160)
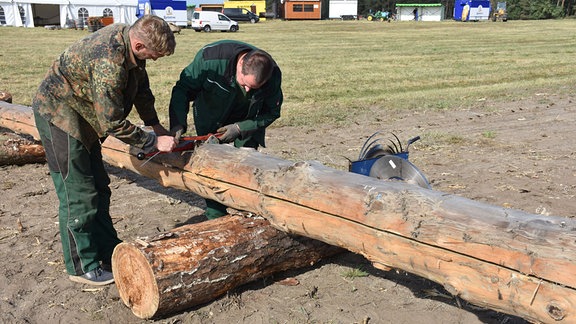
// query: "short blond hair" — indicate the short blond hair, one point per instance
point(155, 33)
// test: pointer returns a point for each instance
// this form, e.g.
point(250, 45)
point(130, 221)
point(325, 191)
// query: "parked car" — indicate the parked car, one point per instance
point(212, 20)
point(241, 14)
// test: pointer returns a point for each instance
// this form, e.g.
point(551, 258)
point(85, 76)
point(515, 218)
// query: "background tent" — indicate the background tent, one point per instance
point(64, 13)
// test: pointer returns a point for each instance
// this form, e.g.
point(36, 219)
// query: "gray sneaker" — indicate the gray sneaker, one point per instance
point(96, 277)
point(106, 266)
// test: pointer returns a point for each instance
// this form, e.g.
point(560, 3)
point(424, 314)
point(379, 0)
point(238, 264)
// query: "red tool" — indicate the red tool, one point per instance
point(189, 143)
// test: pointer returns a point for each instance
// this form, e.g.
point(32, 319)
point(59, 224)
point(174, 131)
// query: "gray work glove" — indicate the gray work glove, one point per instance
point(229, 133)
point(177, 131)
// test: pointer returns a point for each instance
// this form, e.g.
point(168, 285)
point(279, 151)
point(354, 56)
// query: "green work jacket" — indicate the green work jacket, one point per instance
point(210, 82)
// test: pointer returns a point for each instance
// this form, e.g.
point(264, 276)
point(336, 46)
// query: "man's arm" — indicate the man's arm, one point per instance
point(108, 100)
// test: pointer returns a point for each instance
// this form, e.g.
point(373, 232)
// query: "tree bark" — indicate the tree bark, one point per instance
point(17, 150)
point(195, 264)
point(504, 259)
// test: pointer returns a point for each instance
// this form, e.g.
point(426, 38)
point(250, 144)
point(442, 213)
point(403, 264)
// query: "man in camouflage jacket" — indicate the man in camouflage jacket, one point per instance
point(236, 89)
point(86, 96)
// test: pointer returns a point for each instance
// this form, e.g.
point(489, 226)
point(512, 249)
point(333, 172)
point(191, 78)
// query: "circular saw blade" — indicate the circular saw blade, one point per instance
point(391, 167)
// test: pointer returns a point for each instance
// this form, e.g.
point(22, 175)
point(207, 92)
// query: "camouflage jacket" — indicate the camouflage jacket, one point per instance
point(90, 89)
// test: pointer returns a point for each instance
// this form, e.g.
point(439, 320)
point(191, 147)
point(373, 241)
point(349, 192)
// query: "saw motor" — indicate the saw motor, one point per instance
point(388, 160)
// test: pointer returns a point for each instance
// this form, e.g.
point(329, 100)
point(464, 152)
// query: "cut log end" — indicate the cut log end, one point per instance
point(135, 280)
point(196, 263)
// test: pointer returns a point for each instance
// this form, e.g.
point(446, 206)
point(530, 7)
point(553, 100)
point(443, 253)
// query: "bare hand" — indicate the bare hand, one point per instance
point(166, 143)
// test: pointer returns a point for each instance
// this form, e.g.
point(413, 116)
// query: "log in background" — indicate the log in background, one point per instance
point(18, 150)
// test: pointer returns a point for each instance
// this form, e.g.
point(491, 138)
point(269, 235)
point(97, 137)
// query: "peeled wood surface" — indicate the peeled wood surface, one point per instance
point(197, 263)
point(18, 118)
point(507, 260)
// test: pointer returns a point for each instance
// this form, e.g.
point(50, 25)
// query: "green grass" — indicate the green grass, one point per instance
point(354, 273)
point(334, 70)
point(489, 134)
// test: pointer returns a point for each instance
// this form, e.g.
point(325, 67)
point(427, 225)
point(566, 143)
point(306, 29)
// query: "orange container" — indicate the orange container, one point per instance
point(107, 21)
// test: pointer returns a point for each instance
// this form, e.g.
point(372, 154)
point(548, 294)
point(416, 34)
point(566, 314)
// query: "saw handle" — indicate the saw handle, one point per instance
point(190, 144)
point(412, 140)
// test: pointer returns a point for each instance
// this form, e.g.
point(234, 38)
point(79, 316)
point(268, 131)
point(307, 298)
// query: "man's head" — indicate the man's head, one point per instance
point(254, 68)
point(151, 38)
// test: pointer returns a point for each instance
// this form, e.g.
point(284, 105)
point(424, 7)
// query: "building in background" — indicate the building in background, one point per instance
point(471, 10)
point(301, 9)
point(258, 7)
point(420, 12)
point(341, 9)
point(172, 11)
point(64, 13)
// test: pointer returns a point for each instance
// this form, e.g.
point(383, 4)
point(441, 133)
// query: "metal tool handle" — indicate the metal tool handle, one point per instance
point(412, 140)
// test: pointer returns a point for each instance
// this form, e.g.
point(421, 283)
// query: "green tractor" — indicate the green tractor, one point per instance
point(379, 16)
point(500, 12)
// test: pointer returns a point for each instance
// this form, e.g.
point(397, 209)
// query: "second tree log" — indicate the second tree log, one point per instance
point(197, 263)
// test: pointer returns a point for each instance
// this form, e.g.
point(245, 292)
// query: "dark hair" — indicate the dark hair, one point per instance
point(155, 33)
point(259, 64)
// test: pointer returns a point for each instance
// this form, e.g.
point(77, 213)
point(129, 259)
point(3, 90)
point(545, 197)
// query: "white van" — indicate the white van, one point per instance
point(212, 20)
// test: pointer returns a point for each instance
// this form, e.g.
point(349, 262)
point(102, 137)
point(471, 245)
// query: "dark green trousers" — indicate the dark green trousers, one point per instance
point(82, 185)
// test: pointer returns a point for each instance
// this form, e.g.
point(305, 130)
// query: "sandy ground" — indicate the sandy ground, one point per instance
point(518, 155)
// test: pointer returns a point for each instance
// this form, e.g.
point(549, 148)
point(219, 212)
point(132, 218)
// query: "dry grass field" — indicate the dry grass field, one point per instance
point(492, 102)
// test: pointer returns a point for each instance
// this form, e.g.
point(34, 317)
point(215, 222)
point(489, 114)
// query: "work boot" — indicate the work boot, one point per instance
point(96, 277)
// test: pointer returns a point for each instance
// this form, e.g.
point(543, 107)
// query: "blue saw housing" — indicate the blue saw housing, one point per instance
point(388, 162)
point(363, 167)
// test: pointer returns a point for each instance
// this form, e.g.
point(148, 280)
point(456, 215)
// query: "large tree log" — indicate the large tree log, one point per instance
point(504, 259)
point(195, 264)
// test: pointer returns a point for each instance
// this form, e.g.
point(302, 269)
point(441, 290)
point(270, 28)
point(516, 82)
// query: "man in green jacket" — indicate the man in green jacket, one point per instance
point(236, 90)
point(86, 95)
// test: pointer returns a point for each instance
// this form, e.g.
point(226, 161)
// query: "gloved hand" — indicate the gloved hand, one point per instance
point(177, 131)
point(230, 133)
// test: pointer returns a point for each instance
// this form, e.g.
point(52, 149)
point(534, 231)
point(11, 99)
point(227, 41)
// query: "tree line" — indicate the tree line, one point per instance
point(516, 9)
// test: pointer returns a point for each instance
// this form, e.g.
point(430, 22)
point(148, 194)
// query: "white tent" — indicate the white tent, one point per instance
point(64, 13)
